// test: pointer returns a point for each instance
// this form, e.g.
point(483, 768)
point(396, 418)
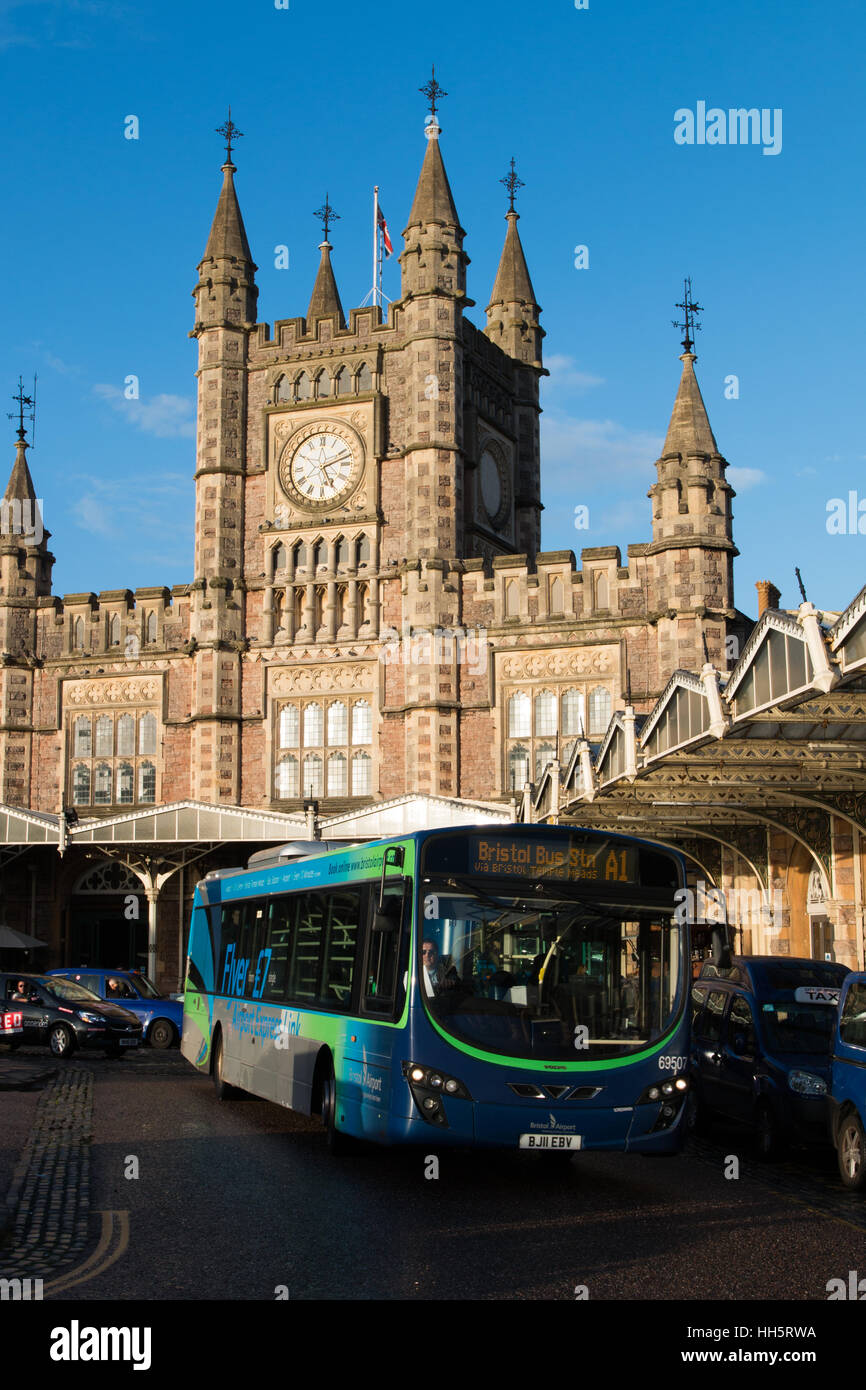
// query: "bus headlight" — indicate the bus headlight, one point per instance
point(427, 1084)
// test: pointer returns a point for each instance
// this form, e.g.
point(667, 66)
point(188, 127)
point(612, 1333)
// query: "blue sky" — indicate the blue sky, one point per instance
point(103, 235)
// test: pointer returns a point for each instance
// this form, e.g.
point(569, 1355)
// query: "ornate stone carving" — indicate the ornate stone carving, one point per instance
point(112, 692)
point(589, 661)
point(304, 680)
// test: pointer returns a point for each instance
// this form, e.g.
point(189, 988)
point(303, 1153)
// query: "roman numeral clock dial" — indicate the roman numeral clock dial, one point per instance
point(321, 464)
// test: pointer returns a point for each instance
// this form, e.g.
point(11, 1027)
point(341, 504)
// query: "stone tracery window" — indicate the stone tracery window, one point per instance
point(115, 773)
point(332, 737)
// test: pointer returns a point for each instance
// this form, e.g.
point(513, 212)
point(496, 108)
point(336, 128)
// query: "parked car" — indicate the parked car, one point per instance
point(762, 1031)
point(847, 1117)
point(63, 1016)
point(161, 1017)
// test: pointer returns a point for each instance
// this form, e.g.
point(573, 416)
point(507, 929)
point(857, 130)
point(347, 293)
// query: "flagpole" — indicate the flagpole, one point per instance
point(377, 278)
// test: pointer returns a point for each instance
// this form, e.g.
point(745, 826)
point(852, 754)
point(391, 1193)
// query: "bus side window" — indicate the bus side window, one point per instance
point(380, 974)
point(283, 911)
point(343, 913)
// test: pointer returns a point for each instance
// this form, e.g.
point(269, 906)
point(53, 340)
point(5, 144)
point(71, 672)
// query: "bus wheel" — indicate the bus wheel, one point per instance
point(851, 1152)
point(223, 1089)
point(338, 1142)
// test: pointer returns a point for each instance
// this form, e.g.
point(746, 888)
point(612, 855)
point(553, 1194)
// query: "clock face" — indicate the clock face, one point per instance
point(491, 485)
point(321, 464)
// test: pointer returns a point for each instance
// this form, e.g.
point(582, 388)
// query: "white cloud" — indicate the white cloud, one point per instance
point(120, 509)
point(741, 479)
point(587, 454)
point(566, 375)
point(165, 416)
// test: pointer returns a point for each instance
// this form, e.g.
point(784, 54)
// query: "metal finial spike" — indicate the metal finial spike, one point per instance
point(512, 183)
point(433, 92)
point(230, 133)
point(327, 215)
point(802, 585)
point(689, 309)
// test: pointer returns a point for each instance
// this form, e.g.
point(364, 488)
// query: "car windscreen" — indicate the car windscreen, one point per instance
point(793, 1027)
point(66, 989)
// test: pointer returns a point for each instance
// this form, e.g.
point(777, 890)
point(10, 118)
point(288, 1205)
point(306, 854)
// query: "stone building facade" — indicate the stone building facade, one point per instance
point(369, 612)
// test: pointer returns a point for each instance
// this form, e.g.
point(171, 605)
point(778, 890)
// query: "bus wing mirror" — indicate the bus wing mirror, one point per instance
point(387, 917)
point(721, 951)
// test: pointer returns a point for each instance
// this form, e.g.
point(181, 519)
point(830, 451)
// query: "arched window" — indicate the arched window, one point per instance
point(78, 634)
point(544, 754)
point(337, 775)
point(150, 627)
point(125, 784)
point(321, 598)
point(126, 736)
point(338, 723)
point(599, 710)
point(363, 551)
point(289, 726)
point(104, 736)
point(341, 597)
point(519, 715)
point(320, 555)
point(283, 389)
point(363, 602)
point(572, 712)
point(299, 600)
point(362, 774)
point(323, 385)
point(287, 777)
point(114, 630)
point(364, 378)
point(102, 785)
point(342, 551)
point(280, 558)
point(518, 768)
point(312, 775)
point(342, 381)
point(300, 556)
point(557, 595)
point(147, 733)
point(278, 609)
point(362, 723)
point(303, 388)
point(81, 785)
point(512, 599)
point(545, 713)
point(602, 591)
point(312, 726)
point(82, 737)
point(147, 782)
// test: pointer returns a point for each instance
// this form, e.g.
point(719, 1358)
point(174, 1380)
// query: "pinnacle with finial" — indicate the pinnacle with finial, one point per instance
point(326, 215)
point(512, 183)
point(230, 133)
point(433, 92)
point(689, 309)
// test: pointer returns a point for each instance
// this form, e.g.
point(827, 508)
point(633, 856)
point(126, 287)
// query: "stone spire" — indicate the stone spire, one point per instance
point(512, 314)
point(434, 261)
point(226, 289)
point(434, 201)
point(689, 431)
point(20, 511)
point(325, 299)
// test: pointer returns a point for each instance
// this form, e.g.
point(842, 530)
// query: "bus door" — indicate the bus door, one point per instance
point(381, 997)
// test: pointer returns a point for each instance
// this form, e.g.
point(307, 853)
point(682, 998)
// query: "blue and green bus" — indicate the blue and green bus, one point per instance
point(521, 986)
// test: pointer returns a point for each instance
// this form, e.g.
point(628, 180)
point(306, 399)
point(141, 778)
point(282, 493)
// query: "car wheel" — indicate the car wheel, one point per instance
point(223, 1089)
point(768, 1137)
point(338, 1142)
point(61, 1040)
point(161, 1033)
point(851, 1153)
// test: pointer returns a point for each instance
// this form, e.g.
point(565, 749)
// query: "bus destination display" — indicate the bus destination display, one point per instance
point(604, 862)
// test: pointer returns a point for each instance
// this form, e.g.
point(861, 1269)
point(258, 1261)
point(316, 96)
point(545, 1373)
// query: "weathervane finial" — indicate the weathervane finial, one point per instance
point(512, 183)
point(433, 92)
point(689, 309)
point(230, 133)
point(327, 215)
point(26, 408)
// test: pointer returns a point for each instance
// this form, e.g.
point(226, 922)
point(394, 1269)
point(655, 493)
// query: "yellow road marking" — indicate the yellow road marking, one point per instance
point(115, 1231)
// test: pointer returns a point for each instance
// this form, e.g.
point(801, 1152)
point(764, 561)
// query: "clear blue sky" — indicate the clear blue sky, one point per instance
point(103, 235)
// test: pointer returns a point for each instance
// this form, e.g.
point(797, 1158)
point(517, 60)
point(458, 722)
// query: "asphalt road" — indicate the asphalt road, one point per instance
point(237, 1200)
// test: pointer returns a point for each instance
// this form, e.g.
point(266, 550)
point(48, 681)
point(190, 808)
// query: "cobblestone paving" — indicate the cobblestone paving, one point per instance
point(48, 1202)
point(820, 1190)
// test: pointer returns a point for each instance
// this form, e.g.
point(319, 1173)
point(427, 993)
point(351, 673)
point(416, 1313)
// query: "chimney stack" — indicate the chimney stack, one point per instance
point(768, 595)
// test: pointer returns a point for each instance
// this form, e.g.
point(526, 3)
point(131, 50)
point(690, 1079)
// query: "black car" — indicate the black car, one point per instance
point(762, 1030)
point(64, 1016)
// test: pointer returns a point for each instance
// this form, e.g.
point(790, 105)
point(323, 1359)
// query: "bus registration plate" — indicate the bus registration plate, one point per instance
point(550, 1141)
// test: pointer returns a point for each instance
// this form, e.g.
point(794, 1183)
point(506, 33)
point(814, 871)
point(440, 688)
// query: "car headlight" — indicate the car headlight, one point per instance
point(805, 1083)
point(90, 1018)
